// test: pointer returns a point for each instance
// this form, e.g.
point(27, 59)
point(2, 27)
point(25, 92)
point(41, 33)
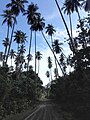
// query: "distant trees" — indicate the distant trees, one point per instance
point(50, 66)
point(22, 85)
point(50, 31)
point(38, 57)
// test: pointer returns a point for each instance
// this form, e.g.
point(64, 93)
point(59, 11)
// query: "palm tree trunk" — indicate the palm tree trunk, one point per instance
point(70, 24)
point(6, 46)
point(65, 25)
point(38, 66)
point(18, 48)
point(35, 51)
point(10, 41)
point(8, 32)
point(29, 49)
point(52, 52)
point(51, 41)
point(57, 75)
point(11, 61)
point(51, 74)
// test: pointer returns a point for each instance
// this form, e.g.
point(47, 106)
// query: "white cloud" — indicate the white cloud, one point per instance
point(52, 16)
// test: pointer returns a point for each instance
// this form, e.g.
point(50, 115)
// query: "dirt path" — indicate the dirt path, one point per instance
point(49, 111)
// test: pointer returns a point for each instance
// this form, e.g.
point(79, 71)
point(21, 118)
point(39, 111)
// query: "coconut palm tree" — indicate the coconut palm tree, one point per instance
point(38, 57)
point(31, 67)
point(37, 25)
point(1, 57)
point(6, 44)
point(16, 7)
point(31, 13)
point(57, 49)
point(62, 61)
point(12, 55)
point(87, 5)
point(56, 73)
point(48, 75)
point(29, 57)
point(57, 46)
point(23, 38)
point(9, 18)
point(17, 38)
point(71, 42)
point(20, 37)
point(52, 51)
point(67, 9)
point(50, 31)
point(50, 66)
point(21, 50)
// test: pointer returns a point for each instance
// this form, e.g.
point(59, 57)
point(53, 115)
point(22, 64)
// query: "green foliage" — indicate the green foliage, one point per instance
point(72, 88)
point(18, 95)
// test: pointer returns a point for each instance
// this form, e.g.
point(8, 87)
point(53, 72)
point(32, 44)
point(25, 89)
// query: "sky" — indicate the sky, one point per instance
point(49, 11)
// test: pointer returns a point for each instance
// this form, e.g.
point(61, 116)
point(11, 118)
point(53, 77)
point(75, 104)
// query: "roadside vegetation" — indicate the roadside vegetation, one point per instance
point(20, 85)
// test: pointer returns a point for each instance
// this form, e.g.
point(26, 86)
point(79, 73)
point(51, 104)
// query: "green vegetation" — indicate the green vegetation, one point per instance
point(20, 85)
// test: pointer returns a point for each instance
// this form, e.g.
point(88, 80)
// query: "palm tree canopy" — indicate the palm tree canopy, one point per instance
point(22, 49)
point(49, 62)
point(38, 55)
point(67, 7)
point(57, 46)
point(50, 29)
point(23, 37)
point(8, 17)
point(61, 58)
point(12, 54)
point(71, 5)
point(29, 57)
point(38, 24)
point(17, 6)
point(30, 67)
point(6, 42)
point(19, 59)
point(56, 72)
point(20, 37)
point(87, 5)
point(31, 13)
point(48, 74)
point(1, 56)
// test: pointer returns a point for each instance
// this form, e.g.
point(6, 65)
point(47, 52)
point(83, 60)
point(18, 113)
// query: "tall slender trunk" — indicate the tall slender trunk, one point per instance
point(18, 48)
point(51, 74)
point(38, 66)
point(57, 75)
point(11, 61)
point(10, 41)
point(70, 24)
point(78, 15)
point(52, 52)
point(35, 51)
point(6, 45)
point(29, 49)
point(65, 25)
point(51, 41)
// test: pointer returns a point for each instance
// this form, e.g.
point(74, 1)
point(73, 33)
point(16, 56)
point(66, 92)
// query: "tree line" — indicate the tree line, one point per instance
point(21, 85)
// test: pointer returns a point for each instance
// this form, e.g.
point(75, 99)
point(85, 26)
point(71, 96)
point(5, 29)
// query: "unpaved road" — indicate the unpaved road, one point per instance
point(49, 111)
